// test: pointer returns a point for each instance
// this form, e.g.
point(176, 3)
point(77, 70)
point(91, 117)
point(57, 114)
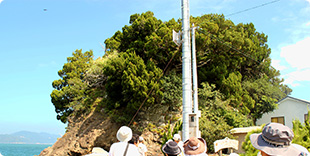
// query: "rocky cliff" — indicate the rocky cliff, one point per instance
point(97, 130)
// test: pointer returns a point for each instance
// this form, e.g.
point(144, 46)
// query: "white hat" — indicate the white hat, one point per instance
point(98, 150)
point(124, 134)
point(176, 137)
point(141, 138)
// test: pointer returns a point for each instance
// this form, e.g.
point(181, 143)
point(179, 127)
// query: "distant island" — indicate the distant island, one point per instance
point(26, 137)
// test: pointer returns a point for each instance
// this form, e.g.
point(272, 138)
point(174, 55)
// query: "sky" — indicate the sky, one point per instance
point(37, 36)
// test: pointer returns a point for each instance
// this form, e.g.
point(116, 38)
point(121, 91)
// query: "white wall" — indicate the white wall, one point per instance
point(290, 108)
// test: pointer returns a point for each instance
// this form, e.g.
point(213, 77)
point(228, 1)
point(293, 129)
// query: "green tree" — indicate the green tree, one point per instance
point(69, 91)
point(129, 82)
point(236, 58)
point(172, 91)
point(264, 96)
point(150, 39)
point(217, 117)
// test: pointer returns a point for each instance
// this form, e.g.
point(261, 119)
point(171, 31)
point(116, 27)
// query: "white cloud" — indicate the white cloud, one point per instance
point(297, 55)
point(295, 78)
point(1, 1)
point(276, 64)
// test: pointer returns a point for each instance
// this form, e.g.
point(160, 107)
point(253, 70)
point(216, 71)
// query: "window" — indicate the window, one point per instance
point(278, 120)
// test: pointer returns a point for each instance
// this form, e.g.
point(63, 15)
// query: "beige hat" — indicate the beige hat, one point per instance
point(124, 134)
point(194, 146)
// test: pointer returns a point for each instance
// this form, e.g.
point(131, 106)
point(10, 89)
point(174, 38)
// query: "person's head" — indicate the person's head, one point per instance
point(195, 146)
point(176, 138)
point(141, 139)
point(134, 140)
point(124, 134)
point(275, 139)
point(171, 148)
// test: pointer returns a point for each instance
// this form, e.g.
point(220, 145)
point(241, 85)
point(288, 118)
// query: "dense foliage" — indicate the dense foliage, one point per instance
point(302, 133)
point(247, 145)
point(130, 83)
point(69, 91)
point(142, 66)
point(217, 117)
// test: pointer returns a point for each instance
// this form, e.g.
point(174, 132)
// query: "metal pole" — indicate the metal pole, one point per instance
point(186, 70)
point(195, 82)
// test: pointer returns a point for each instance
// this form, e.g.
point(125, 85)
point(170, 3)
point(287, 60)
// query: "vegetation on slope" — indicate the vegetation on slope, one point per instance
point(142, 68)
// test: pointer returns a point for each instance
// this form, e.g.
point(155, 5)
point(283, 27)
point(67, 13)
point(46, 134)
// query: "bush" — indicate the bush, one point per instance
point(302, 133)
point(217, 117)
point(247, 146)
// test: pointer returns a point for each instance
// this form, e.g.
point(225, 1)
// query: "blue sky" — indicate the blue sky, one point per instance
point(34, 45)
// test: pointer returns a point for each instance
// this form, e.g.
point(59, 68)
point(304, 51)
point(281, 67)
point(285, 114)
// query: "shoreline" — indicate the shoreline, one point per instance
point(23, 143)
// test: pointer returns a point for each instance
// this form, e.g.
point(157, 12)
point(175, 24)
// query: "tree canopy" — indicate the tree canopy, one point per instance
point(69, 91)
point(142, 67)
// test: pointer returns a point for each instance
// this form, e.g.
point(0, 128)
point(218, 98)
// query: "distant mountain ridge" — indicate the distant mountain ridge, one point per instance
point(26, 137)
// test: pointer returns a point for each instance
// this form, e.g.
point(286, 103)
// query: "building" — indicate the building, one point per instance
point(289, 109)
point(240, 134)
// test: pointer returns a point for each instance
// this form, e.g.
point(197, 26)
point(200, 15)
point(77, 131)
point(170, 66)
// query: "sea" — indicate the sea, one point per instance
point(22, 149)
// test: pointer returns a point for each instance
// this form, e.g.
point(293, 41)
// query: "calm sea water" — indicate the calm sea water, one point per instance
point(21, 149)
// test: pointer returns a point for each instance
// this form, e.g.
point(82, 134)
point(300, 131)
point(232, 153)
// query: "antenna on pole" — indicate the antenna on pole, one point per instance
point(176, 37)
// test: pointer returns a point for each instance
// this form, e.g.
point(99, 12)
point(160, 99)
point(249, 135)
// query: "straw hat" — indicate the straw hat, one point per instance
point(194, 146)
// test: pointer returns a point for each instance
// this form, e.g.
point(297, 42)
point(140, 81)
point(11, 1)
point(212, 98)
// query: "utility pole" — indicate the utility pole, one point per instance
point(195, 83)
point(186, 70)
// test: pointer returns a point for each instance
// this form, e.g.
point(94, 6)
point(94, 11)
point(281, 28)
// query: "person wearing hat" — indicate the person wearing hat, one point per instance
point(123, 148)
point(171, 148)
point(195, 147)
point(275, 140)
point(177, 139)
point(142, 146)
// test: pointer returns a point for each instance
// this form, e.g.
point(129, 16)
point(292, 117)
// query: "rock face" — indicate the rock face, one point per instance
point(86, 132)
point(96, 130)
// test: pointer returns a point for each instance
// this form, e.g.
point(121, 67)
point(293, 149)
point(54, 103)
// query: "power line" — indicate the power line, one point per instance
point(238, 12)
point(255, 7)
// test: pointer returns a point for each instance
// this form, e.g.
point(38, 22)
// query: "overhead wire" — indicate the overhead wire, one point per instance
point(255, 7)
point(292, 77)
point(238, 12)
